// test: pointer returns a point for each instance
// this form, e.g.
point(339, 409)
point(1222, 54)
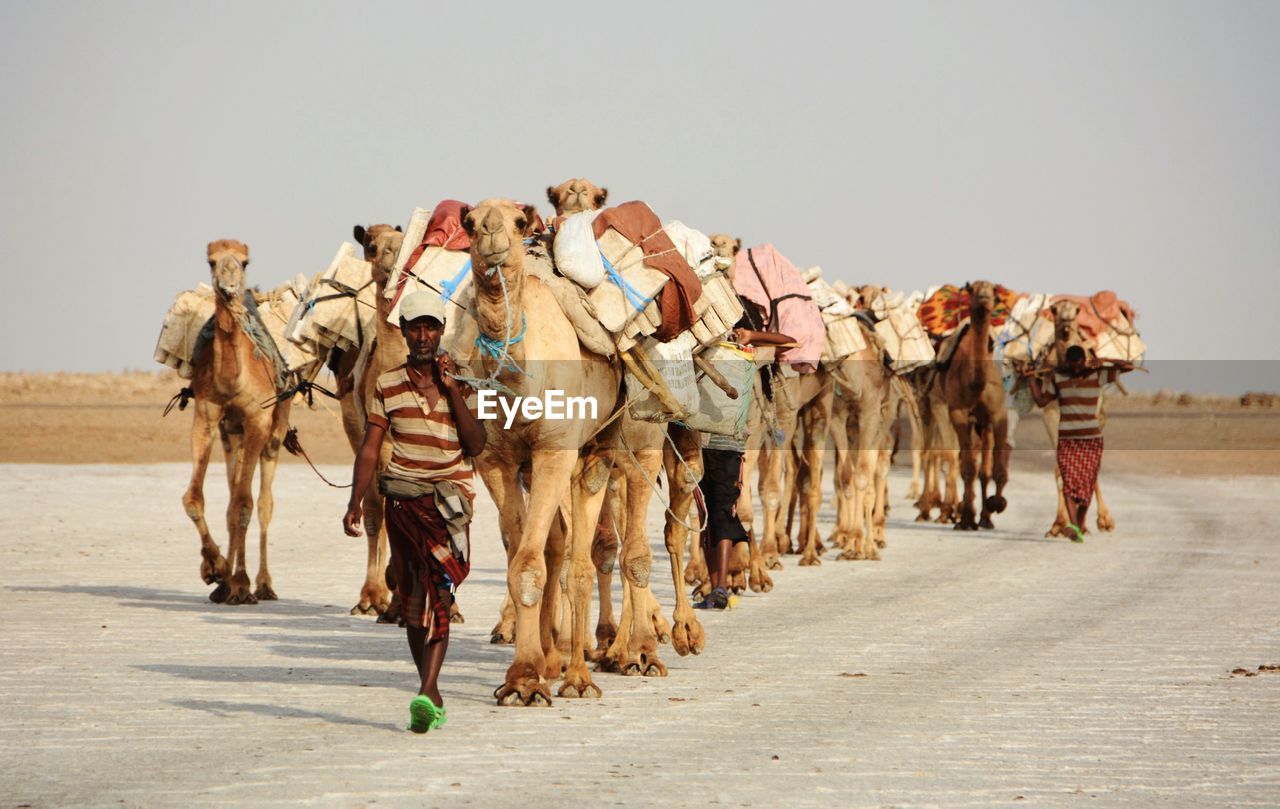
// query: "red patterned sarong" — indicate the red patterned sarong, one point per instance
point(1078, 462)
point(420, 552)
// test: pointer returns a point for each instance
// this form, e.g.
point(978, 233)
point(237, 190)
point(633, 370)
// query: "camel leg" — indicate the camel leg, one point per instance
point(257, 429)
point(527, 577)
point(870, 423)
point(771, 461)
point(839, 536)
point(986, 464)
point(551, 620)
point(879, 514)
point(816, 418)
point(263, 591)
point(213, 568)
point(968, 471)
point(917, 459)
point(502, 481)
point(589, 486)
point(1105, 521)
point(687, 635)
point(635, 650)
point(604, 555)
point(1000, 451)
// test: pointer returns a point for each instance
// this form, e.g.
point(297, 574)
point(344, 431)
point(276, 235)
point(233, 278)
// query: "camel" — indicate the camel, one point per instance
point(575, 196)
point(865, 404)
point(1067, 333)
point(569, 461)
point(972, 389)
point(231, 380)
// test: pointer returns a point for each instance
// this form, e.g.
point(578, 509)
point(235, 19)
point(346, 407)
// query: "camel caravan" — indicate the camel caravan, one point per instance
point(704, 363)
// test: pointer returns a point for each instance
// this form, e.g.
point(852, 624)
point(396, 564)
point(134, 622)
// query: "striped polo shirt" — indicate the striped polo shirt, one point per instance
point(1078, 404)
point(424, 446)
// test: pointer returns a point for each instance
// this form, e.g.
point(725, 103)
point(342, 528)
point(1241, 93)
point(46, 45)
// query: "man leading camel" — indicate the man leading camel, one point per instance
point(1077, 387)
point(428, 485)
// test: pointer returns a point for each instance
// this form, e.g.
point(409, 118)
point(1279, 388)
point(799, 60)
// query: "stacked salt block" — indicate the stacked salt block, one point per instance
point(182, 325)
point(718, 309)
point(617, 313)
point(340, 307)
point(1120, 342)
point(1028, 332)
point(673, 363)
point(901, 332)
point(277, 312)
point(844, 334)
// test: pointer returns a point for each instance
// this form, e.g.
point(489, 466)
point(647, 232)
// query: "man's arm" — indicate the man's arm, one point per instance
point(471, 433)
point(1041, 396)
point(362, 476)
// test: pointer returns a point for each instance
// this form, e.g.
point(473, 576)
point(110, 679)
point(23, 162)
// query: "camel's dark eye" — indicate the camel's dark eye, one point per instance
point(521, 223)
point(211, 263)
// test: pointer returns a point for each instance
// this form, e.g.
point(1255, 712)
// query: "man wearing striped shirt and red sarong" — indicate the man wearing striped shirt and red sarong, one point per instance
point(428, 484)
point(1078, 389)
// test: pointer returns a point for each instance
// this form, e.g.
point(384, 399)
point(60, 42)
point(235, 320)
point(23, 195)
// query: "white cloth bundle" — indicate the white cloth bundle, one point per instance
point(576, 253)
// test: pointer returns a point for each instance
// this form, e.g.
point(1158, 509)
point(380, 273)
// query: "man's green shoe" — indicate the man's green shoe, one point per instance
point(422, 714)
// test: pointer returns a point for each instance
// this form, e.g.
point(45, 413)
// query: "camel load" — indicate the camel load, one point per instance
point(338, 309)
point(839, 317)
point(906, 344)
point(187, 327)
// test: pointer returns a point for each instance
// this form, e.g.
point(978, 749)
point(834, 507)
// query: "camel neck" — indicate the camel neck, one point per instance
point(227, 318)
point(500, 301)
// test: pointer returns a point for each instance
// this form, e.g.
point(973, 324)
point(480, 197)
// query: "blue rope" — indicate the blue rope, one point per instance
point(632, 294)
point(496, 348)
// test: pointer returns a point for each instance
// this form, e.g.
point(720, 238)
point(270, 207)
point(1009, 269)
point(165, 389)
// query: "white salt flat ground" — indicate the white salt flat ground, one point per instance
point(1001, 668)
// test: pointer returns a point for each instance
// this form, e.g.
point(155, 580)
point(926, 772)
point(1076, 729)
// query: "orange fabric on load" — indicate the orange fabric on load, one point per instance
point(944, 310)
point(639, 225)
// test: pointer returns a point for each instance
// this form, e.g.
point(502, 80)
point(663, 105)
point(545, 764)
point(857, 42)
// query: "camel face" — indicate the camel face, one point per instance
point(866, 295)
point(365, 237)
point(575, 196)
point(496, 226)
point(982, 294)
point(382, 251)
point(228, 259)
point(724, 245)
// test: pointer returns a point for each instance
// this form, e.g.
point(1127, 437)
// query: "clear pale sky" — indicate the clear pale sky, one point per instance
point(1060, 147)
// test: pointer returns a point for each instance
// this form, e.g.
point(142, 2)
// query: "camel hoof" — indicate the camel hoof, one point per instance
point(873, 555)
point(965, 526)
point(608, 665)
point(810, 561)
point(497, 638)
point(219, 594)
point(1106, 525)
point(922, 517)
point(578, 685)
point(523, 694)
point(265, 593)
point(773, 563)
point(655, 668)
point(455, 615)
point(688, 637)
point(848, 556)
point(996, 504)
point(241, 599)
point(986, 523)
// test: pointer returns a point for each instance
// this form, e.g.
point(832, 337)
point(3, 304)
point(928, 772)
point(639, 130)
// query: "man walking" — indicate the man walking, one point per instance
point(1078, 388)
point(428, 485)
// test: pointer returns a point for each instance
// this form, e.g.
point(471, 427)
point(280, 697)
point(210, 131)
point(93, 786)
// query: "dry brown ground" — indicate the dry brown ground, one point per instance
point(116, 418)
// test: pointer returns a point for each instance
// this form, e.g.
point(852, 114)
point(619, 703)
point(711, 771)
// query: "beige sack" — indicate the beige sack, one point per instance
point(191, 309)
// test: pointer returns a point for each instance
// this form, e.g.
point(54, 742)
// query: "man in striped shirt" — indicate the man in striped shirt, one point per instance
point(1078, 390)
point(428, 484)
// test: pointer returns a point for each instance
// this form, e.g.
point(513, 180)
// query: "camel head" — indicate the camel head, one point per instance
point(575, 196)
point(864, 296)
point(1066, 328)
point(982, 299)
point(497, 228)
point(366, 237)
point(228, 260)
point(381, 248)
point(725, 247)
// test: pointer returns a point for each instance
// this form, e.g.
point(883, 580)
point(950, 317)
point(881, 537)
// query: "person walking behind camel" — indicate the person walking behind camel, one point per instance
point(428, 485)
point(1078, 388)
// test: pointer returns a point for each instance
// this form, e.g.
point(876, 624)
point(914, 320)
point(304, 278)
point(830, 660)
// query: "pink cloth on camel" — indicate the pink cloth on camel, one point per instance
point(798, 317)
